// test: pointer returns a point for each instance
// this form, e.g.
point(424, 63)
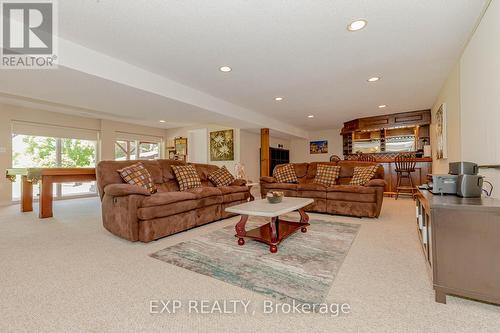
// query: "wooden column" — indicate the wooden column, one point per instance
point(264, 152)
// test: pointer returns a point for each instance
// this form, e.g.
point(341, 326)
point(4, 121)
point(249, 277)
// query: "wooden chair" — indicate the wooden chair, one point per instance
point(334, 158)
point(405, 165)
point(366, 158)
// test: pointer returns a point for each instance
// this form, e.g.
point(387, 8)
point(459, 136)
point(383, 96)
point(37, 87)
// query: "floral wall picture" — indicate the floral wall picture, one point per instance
point(222, 146)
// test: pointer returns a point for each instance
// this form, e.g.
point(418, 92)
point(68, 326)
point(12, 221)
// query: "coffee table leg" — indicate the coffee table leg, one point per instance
point(274, 224)
point(240, 229)
point(304, 218)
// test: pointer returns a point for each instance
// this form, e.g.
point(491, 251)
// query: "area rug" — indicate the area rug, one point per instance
point(302, 270)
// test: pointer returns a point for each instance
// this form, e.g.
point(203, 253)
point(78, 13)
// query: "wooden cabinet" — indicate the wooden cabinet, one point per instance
point(460, 239)
point(395, 120)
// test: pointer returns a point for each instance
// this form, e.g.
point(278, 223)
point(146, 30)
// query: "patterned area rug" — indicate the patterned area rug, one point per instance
point(303, 269)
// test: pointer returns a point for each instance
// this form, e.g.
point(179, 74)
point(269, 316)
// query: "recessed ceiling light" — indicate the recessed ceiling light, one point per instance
point(225, 69)
point(382, 106)
point(278, 99)
point(357, 25)
point(310, 116)
point(162, 121)
point(373, 79)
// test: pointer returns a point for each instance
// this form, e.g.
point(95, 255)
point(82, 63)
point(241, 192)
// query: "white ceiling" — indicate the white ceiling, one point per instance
point(297, 49)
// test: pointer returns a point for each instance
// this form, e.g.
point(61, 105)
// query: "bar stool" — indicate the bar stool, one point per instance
point(405, 165)
point(366, 158)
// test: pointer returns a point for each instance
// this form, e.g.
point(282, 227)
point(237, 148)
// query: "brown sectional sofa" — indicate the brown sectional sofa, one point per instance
point(131, 212)
point(340, 199)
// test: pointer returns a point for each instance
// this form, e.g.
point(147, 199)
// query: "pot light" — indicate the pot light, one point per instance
point(279, 99)
point(225, 69)
point(382, 106)
point(373, 79)
point(310, 116)
point(162, 121)
point(357, 25)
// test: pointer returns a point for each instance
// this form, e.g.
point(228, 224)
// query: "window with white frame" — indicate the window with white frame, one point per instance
point(135, 147)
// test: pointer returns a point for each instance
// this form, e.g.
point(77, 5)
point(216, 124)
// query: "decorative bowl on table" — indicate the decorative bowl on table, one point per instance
point(274, 196)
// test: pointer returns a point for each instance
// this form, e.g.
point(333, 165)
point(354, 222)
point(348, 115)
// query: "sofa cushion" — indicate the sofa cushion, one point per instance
point(327, 174)
point(221, 177)
point(280, 186)
point(311, 187)
point(236, 196)
point(204, 192)
point(285, 173)
point(352, 196)
point(165, 198)
point(232, 189)
point(153, 212)
point(137, 174)
point(312, 190)
point(351, 189)
point(363, 175)
point(186, 176)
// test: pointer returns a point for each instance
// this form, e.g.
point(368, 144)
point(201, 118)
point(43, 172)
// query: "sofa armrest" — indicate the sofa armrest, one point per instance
point(120, 190)
point(376, 183)
point(267, 179)
point(239, 182)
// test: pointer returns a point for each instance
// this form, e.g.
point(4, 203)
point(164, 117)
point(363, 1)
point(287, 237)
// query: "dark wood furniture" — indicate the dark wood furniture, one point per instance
point(405, 166)
point(460, 239)
point(46, 177)
point(366, 158)
point(278, 156)
point(277, 230)
point(383, 128)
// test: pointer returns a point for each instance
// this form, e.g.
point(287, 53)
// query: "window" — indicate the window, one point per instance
point(132, 150)
point(41, 151)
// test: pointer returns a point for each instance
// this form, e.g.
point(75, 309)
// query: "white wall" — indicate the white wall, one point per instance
point(480, 95)
point(299, 150)
point(473, 88)
point(106, 129)
point(449, 95)
point(183, 132)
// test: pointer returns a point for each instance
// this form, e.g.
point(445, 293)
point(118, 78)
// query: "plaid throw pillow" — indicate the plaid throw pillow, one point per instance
point(221, 177)
point(363, 175)
point(285, 174)
point(327, 174)
point(186, 176)
point(137, 174)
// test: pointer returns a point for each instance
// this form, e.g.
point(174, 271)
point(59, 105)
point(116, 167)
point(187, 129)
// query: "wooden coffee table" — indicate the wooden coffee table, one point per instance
point(277, 229)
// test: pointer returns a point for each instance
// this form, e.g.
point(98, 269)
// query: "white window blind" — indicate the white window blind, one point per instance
point(137, 137)
point(38, 129)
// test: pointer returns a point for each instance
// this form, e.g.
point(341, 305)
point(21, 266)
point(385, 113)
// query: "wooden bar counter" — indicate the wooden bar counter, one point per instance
point(47, 177)
point(422, 169)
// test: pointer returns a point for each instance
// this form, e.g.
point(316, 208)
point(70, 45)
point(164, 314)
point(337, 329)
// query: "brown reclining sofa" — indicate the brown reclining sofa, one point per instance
point(340, 199)
point(131, 212)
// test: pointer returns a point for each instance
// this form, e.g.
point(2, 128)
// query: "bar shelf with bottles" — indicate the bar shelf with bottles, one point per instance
point(384, 137)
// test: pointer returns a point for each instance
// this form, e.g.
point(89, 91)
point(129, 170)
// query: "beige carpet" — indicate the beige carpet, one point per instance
point(68, 274)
